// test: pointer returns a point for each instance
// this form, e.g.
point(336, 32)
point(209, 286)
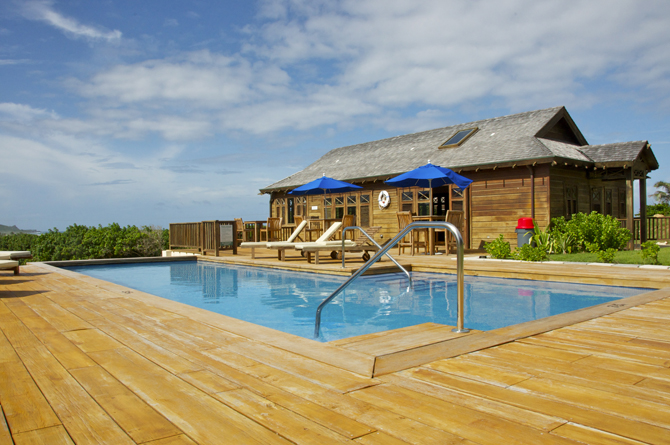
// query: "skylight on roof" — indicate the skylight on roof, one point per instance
point(459, 138)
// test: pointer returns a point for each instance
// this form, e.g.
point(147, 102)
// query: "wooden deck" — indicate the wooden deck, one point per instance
point(85, 361)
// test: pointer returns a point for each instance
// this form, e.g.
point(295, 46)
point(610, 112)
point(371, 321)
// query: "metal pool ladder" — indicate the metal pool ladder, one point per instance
point(383, 251)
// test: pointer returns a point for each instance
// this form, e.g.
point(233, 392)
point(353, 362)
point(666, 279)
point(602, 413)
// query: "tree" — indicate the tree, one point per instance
point(662, 196)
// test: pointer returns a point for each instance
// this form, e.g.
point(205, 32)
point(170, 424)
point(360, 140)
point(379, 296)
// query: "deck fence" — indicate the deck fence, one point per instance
point(658, 228)
point(206, 237)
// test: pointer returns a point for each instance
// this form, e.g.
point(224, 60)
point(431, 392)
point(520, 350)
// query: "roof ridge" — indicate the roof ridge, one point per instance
point(464, 124)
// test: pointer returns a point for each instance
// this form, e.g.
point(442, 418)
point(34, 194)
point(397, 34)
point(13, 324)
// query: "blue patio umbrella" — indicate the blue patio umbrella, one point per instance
point(323, 186)
point(430, 176)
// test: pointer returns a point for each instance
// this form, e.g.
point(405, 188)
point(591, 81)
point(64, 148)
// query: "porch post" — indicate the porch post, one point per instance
point(630, 208)
point(643, 207)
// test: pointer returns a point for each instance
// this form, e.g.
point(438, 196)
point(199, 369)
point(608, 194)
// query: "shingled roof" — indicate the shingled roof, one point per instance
point(540, 136)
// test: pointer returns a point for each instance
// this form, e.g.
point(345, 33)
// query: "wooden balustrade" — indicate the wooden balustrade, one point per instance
point(206, 237)
point(658, 228)
point(185, 236)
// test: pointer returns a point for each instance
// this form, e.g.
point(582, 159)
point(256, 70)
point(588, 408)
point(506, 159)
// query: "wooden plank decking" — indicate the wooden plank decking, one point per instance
point(84, 361)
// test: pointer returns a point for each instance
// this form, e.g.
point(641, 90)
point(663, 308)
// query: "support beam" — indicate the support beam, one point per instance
point(643, 208)
point(630, 208)
point(532, 191)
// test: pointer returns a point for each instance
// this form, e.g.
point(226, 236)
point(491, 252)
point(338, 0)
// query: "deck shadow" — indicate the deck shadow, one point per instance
point(4, 294)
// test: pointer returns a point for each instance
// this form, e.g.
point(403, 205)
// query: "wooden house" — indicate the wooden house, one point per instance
point(535, 164)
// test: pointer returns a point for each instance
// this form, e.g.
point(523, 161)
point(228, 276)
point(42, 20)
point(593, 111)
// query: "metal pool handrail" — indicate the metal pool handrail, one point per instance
point(415, 225)
point(409, 277)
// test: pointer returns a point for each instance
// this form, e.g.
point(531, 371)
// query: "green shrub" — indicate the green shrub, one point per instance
point(593, 228)
point(563, 242)
point(498, 248)
point(543, 240)
point(655, 209)
point(530, 253)
point(650, 251)
point(79, 242)
point(606, 256)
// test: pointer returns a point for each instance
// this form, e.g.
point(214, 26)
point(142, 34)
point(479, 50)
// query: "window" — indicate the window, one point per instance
point(290, 211)
point(407, 199)
point(351, 206)
point(608, 201)
point(457, 199)
point(280, 208)
point(596, 200)
point(339, 207)
point(570, 201)
point(327, 204)
point(458, 138)
point(424, 202)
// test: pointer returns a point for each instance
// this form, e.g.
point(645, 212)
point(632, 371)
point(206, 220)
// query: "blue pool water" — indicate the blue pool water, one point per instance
point(287, 301)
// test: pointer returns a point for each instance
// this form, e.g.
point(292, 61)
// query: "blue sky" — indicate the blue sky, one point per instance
point(166, 111)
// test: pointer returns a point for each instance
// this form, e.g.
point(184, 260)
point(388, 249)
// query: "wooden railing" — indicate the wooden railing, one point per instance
point(185, 236)
point(206, 237)
point(658, 228)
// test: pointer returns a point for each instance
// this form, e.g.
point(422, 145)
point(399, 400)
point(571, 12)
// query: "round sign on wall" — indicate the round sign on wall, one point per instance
point(384, 199)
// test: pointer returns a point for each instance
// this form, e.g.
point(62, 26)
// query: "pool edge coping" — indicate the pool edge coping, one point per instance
point(371, 365)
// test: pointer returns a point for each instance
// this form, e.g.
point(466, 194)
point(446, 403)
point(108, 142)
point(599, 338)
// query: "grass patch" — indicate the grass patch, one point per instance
point(621, 257)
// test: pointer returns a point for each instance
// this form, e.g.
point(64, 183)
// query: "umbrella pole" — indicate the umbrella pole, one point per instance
point(430, 213)
point(431, 232)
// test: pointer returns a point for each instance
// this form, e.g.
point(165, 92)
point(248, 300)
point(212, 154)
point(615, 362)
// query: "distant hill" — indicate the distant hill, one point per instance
point(6, 230)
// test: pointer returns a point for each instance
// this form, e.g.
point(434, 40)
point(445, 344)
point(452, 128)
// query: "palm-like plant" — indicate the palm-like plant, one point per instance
point(662, 196)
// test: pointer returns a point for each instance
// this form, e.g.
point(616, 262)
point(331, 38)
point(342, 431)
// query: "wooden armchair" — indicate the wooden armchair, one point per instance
point(243, 234)
point(272, 230)
point(414, 243)
point(455, 217)
point(298, 220)
point(348, 221)
point(313, 227)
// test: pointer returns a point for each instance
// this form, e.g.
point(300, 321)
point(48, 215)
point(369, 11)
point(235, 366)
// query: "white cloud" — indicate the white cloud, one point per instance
point(13, 61)
point(208, 80)
point(309, 64)
point(448, 53)
point(171, 128)
point(22, 113)
point(42, 10)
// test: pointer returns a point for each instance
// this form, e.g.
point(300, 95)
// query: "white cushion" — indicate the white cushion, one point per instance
point(8, 264)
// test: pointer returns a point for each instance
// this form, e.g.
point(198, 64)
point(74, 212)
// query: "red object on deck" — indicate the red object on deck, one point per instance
point(525, 223)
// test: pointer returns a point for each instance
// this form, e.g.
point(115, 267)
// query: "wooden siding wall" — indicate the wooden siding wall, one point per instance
point(561, 177)
point(500, 197)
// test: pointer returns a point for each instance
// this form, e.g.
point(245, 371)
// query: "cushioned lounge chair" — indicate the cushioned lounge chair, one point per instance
point(16, 254)
point(6, 263)
point(360, 244)
point(290, 243)
point(323, 241)
point(276, 244)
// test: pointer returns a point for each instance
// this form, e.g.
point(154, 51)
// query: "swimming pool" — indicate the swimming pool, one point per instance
point(287, 301)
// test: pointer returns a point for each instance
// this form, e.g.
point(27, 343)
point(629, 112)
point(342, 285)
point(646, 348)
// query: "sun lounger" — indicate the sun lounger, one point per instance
point(276, 244)
point(16, 254)
point(324, 241)
point(8, 264)
point(360, 244)
point(290, 243)
point(9, 259)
